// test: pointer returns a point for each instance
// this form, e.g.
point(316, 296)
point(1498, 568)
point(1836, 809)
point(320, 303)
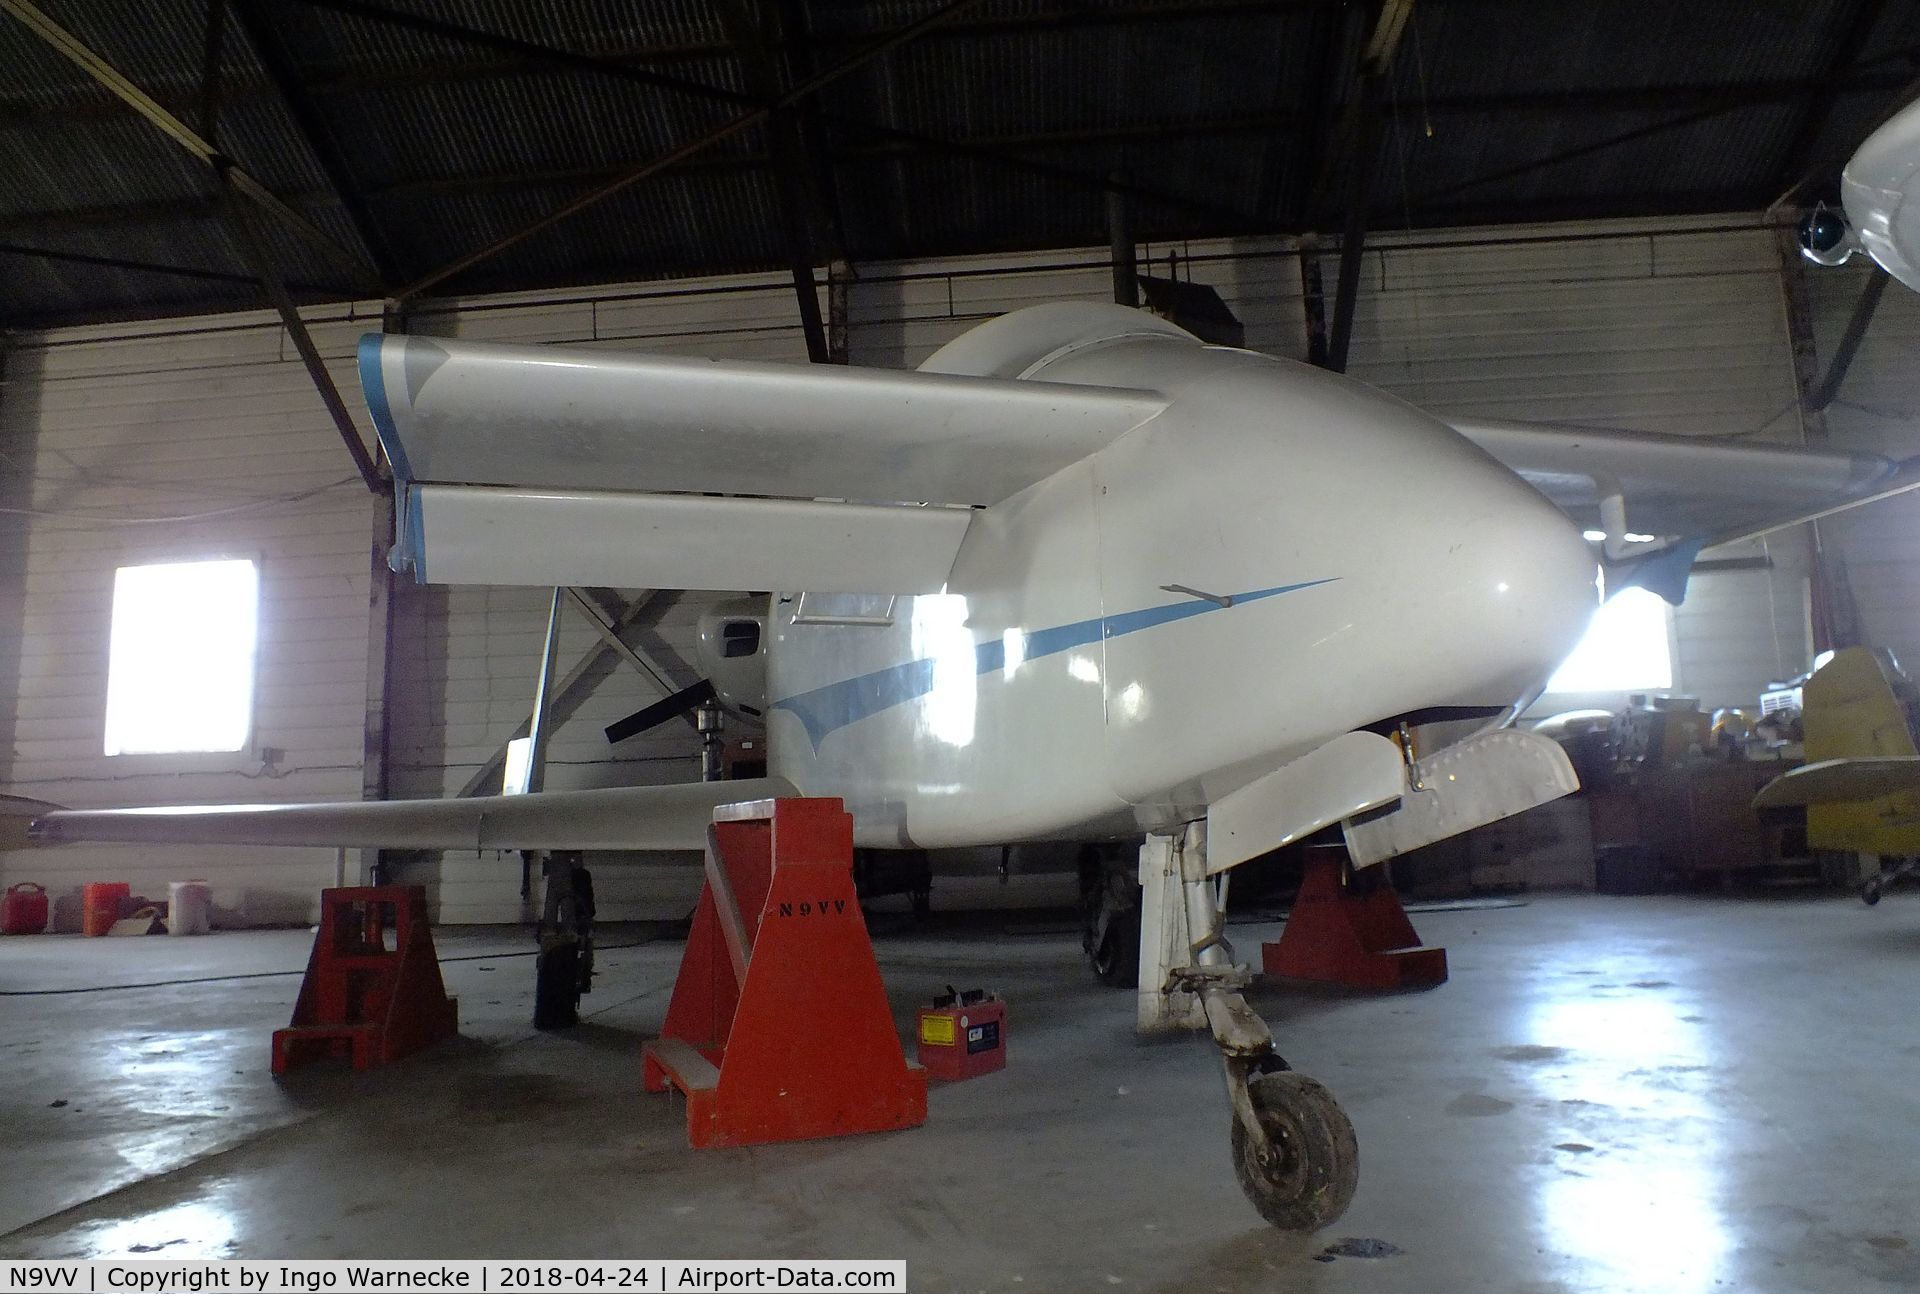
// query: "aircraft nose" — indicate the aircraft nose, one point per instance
point(1521, 587)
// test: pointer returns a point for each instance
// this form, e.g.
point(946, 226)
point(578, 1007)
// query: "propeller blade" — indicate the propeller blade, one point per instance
point(688, 698)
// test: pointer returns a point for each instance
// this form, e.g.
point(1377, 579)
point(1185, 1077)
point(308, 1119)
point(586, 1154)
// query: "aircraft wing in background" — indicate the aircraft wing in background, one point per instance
point(1688, 493)
point(1674, 486)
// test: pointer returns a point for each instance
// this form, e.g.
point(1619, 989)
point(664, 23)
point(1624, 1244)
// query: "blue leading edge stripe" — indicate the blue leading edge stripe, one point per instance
point(827, 709)
point(374, 384)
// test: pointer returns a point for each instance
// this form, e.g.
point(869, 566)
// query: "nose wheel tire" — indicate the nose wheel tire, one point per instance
point(1314, 1167)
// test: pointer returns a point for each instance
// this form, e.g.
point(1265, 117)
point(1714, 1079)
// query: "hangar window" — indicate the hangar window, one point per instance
point(1627, 648)
point(180, 657)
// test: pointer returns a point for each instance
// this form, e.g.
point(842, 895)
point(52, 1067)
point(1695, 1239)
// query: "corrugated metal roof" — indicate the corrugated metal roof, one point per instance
point(994, 130)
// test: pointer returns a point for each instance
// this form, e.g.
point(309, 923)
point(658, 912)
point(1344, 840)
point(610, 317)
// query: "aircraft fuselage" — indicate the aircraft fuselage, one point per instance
point(1281, 556)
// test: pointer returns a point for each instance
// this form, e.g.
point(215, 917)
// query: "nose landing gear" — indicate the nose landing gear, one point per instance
point(1293, 1147)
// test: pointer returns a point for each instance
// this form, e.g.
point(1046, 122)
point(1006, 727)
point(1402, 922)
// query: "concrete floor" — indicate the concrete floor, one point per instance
point(1675, 1094)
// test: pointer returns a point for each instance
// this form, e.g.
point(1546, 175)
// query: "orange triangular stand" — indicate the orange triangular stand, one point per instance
point(1353, 934)
point(779, 1027)
point(362, 999)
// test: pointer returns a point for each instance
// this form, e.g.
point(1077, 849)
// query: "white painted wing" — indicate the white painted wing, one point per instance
point(1840, 781)
point(1677, 486)
point(501, 451)
point(622, 817)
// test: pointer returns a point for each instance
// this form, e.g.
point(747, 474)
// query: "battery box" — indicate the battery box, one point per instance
point(963, 1035)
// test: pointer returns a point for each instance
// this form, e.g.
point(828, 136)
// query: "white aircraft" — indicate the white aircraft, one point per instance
point(1079, 577)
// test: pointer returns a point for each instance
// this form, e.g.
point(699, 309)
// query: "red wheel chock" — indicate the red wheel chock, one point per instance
point(779, 1028)
point(363, 999)
point(1354, 934)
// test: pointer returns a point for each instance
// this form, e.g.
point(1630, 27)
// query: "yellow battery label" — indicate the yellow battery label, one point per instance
point(937, 1030)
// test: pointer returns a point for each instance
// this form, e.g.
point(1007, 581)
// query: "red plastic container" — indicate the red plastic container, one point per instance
point(101, 904)
point(964, 1038)
point(24, 910)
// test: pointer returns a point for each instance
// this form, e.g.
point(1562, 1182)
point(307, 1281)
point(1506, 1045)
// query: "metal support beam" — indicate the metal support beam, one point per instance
point(1828, 387)
point(759, 111)
point(64, 43)
point(138, 267)
point(540, 724)
point(573, 689)
point(725, 130)
point(363, 462)
point(1359, 132)
point(1313, 299)
point(212, 54)
point(632, 653)
point(1353, 238)
point(799, 204)
point(315, 132)
point(839, 312)
point(794, 44)
point(1836, 620)
point(1850, 37)
point(376, 751)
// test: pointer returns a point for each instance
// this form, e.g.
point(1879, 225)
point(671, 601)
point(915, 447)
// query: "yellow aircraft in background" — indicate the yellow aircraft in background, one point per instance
point(1861, 781)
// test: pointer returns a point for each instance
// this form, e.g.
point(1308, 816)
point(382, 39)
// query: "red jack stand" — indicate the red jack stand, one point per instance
point(779, 1028)
point(1350, 931)
point(373, 990)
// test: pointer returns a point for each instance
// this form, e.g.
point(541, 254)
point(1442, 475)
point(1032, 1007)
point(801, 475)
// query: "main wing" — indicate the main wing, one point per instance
point(1841, 781)
point(621, 817)
point(551, 465)
point(1684, 486)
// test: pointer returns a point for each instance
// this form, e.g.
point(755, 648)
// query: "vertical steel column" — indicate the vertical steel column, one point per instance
point(1836, 621)
point(376, 748)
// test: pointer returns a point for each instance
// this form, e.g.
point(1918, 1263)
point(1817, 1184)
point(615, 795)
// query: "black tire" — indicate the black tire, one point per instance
point(1116, 958)
point(556, 992)
point(1318, 1166)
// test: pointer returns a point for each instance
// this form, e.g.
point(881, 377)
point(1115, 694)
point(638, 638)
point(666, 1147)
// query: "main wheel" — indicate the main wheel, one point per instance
point(1317, 1162)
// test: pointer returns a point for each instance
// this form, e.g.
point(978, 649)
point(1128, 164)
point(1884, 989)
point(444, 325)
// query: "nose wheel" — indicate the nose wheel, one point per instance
point(1293, 1147)
point(1294, 1150)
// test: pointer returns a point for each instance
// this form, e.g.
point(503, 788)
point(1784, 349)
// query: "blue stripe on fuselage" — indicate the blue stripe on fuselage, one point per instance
point(826, 709)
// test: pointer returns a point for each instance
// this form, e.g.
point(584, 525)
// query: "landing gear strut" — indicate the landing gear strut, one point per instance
point(564, 967)
point(1870, 892)
point(1293, 1147)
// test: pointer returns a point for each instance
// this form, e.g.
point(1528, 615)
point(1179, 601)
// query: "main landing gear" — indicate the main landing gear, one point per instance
point(1110, 913)
point(1870, 892)
point(564, 967)
point(1293, 1147)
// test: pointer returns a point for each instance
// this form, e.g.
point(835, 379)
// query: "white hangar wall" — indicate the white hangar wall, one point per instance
point(1680, 330)
point(215, 421)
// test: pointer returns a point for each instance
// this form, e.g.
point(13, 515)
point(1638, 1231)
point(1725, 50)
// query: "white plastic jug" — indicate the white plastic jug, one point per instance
point(189, 908)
